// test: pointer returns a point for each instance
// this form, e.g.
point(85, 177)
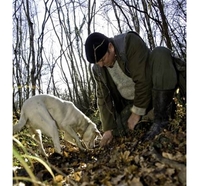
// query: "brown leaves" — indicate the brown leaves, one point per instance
point(126, 157)
point(177, 157)
point(158, 162)
point(117, 164)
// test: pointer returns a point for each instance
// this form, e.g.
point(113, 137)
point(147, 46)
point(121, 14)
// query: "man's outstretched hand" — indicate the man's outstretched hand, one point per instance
point(133, 120)
point(107, 138)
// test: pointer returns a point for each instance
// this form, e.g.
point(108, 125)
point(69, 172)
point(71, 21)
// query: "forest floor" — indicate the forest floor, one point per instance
point(124, 162)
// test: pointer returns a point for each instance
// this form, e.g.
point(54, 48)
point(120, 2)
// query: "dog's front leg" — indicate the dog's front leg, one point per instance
point(74, 136)
point(52, 131)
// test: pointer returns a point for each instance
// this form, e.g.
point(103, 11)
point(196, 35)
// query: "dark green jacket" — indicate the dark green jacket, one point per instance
point(135, 66)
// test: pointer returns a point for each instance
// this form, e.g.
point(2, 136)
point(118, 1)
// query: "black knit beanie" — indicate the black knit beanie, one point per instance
point(96, 46)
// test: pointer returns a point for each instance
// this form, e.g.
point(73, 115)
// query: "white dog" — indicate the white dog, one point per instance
point(45, 114)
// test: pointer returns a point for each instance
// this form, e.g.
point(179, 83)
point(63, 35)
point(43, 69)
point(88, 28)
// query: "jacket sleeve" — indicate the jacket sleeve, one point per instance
point(137, 55)
point(104, 101)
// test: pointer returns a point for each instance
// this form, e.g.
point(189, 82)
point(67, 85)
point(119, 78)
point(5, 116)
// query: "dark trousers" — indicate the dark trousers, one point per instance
point(163, 73)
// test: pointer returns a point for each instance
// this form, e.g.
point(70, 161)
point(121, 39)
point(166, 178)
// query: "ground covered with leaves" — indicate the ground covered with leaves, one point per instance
point(124, 162)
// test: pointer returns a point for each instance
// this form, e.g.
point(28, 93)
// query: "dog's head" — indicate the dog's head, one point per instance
point(91, 135)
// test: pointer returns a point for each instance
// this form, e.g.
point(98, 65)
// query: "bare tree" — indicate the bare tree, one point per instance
point(49, 39)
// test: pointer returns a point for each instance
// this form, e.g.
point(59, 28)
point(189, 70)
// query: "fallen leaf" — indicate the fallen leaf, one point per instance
point(58, 178)
point(125, 157)
point(160, 165)
point(77, 176)
point(177, 157)
point(66, 154)
point(167, 155)
point(135, 182)
point(117, 179)
point(170, 172)
point(130, 169)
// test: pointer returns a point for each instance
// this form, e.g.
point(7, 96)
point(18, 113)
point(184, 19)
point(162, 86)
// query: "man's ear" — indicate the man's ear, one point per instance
point(111, 47)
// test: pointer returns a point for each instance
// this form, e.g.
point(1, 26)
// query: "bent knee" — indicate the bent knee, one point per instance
point(160, 53)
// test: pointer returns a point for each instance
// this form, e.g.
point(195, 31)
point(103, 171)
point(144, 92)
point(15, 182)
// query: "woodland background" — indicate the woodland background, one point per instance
point(49, 36)
point(48, 57)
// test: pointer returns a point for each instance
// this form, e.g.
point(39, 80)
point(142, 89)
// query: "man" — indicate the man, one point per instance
point(129, 78)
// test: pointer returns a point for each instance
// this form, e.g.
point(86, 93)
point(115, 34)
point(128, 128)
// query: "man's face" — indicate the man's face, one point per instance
point(108, 59)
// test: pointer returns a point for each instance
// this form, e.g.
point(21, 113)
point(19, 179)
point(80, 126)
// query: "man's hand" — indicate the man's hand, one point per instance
point(133, 120)
point(107, 138)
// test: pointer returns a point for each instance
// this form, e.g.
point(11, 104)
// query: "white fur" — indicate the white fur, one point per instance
point(46, 113)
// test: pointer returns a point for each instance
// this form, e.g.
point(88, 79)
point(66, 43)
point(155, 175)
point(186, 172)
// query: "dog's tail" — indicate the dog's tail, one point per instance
point(21, 123)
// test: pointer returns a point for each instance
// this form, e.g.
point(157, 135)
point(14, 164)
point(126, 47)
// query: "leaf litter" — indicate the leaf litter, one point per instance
point(123, 162)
